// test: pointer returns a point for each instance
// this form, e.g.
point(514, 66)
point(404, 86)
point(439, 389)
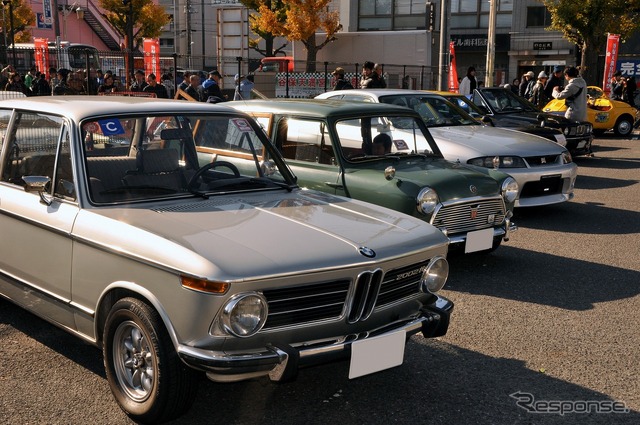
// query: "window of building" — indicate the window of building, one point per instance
point(538, 16)
point(475, 13)
point(387, 15)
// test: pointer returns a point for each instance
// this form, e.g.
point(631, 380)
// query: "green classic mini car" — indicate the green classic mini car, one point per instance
point(385, 155)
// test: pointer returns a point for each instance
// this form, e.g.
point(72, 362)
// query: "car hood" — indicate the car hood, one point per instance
point(256, 235)
point(451, 180)
point(473, 141)
point(529, 118)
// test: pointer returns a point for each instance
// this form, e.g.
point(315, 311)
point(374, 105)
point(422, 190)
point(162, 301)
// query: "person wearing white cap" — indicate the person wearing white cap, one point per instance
point(538, 96)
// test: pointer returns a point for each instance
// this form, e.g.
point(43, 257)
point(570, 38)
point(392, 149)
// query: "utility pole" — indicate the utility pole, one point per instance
point(489, 79)
point(443, 75)
point(129, 67)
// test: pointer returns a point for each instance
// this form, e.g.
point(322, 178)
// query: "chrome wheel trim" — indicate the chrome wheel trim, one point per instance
point(134, 361)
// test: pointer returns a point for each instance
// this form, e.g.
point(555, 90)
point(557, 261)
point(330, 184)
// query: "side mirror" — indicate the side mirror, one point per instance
point(38, 184)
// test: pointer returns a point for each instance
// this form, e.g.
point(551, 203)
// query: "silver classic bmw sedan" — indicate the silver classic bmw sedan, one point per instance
point(114, 229)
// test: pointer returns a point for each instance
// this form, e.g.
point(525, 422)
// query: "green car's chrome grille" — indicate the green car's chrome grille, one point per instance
point(294, 306)
point(469, 216)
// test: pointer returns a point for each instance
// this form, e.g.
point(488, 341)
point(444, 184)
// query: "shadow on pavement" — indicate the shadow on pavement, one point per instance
point(437, 384)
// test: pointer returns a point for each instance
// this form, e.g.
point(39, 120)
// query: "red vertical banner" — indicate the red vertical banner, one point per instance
point(453, 70)
point(613, 42)
point(152, 56)
point(41, 53)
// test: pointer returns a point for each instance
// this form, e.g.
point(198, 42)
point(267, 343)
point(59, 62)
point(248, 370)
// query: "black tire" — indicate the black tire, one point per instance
point(147, 379)
point(624, 126)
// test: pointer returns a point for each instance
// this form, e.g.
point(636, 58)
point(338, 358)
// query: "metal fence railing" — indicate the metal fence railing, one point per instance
point(297, 79)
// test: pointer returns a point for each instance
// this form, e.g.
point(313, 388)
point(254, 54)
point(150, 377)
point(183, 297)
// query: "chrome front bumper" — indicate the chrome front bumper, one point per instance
point(281, 362)
point(503, 231)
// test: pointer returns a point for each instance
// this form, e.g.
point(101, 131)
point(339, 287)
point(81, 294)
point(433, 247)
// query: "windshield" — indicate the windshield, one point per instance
point(380, 136)
point(503, 100)
point(435, 110)
point(139, 158)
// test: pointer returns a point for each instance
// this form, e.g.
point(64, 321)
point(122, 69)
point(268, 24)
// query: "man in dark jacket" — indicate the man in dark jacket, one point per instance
point(340, 82)
point(211, 87)
point(555, 80)
point(139, 84)
point(155, 87)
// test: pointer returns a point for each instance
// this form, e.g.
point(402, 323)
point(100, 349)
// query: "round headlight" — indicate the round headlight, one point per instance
point(244, 314)
point(509, 189)
point(427, 200)
point(435, 275)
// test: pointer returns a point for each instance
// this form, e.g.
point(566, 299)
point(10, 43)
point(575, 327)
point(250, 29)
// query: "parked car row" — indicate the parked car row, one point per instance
point(500, 107)
point(186, 238)
point(544, 170)
point(115, 230)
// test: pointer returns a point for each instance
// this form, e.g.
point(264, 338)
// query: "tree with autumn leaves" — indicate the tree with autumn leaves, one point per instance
point(23, 19)
point(148, 18)
point(296, 20)
point(588, 22)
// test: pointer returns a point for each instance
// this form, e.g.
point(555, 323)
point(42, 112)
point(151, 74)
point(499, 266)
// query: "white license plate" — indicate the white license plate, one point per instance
point(378, 353)
point(479, 240)
point(581, 144)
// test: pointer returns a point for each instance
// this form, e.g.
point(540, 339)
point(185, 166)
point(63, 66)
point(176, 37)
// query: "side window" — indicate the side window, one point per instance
point(304, 140)
point(32, 147)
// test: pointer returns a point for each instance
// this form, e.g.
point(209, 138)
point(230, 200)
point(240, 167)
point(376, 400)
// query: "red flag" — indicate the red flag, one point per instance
point(453, 70)
point(613, 41)
point(41, 53)
point(152, 56)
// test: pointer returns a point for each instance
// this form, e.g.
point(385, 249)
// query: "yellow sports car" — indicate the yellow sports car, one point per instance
point(604, 113)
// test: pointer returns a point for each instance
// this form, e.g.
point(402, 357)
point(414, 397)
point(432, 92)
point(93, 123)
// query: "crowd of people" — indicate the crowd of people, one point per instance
point(67, 82)
point(372, 77)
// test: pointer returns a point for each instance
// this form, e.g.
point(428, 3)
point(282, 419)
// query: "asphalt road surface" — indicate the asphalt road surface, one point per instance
point(545, 331)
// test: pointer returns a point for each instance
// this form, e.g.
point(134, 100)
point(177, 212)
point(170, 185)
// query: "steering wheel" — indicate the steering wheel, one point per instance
point(209, 166)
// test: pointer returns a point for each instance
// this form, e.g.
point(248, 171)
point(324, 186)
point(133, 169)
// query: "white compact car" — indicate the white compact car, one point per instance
point(544, 170)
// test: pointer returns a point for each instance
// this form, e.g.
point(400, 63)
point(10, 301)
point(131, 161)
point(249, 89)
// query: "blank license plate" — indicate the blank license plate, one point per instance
point(479, 240)
point(377, 353)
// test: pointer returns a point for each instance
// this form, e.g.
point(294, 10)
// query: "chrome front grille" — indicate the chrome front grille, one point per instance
point(469, 216)
point(293, 306)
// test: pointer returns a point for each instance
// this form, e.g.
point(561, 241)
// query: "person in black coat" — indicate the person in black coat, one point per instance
point(155, 87)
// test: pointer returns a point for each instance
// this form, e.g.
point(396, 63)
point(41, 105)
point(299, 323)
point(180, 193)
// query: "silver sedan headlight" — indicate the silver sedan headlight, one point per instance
point(566, 157)
point(435, 275)
point(427, 200)
point(244, 314)
point(509, 189)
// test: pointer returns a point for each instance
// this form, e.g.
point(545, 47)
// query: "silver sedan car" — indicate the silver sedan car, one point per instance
point(544, 170)
point(113, 230)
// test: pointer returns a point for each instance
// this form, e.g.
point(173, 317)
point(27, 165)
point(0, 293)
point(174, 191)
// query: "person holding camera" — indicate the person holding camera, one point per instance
point(574, 94)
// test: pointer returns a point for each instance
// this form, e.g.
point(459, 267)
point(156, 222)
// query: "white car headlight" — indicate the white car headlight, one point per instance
point(427, 200)
point(509, 189)
point(435, 275)
point(245, 314)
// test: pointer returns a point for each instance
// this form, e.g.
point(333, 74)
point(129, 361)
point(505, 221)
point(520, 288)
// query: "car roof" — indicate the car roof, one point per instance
point(321, 107)
point(80, 107)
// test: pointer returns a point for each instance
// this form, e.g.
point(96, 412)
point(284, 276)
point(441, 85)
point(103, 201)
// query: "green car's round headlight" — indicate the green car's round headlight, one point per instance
point(509, 189)
point(245, 314)
point(435, 275)
point(427, 200)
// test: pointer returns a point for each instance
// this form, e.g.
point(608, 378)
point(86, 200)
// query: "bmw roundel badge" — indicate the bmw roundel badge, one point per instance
point(367, 252)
